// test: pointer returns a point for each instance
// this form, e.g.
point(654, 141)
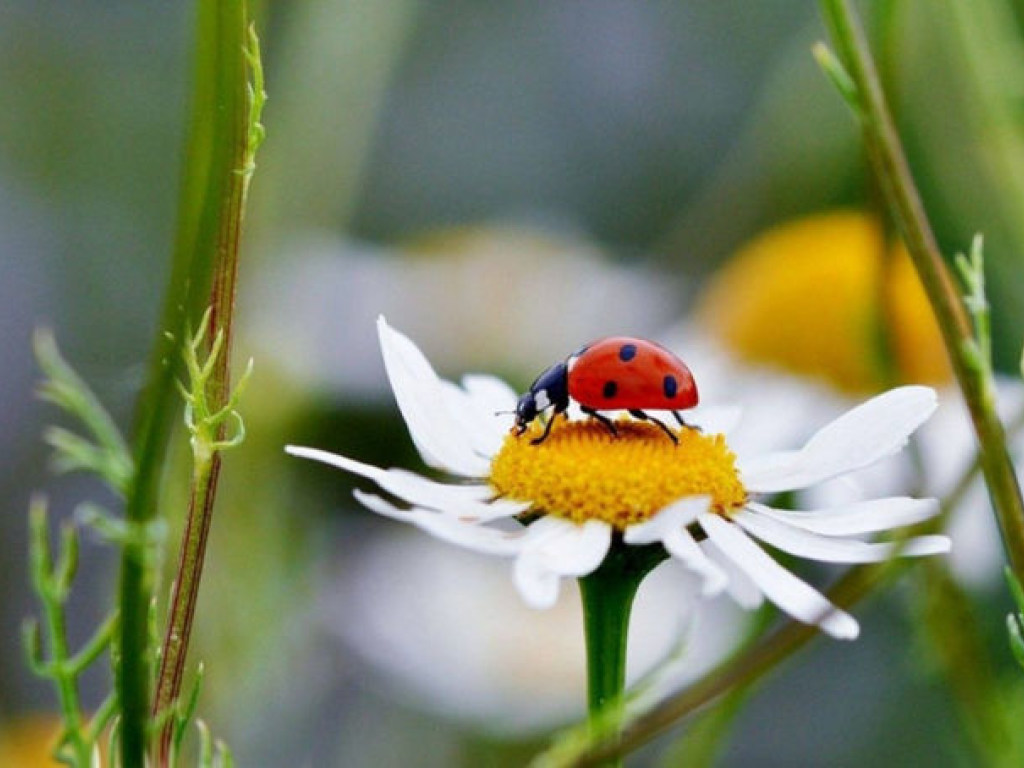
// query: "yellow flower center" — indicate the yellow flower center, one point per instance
point(582, 472)
point(826, 297)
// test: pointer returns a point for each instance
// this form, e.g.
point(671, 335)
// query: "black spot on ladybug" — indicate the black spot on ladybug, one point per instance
point(610, 388)
point(627, 352)
point(670, 386)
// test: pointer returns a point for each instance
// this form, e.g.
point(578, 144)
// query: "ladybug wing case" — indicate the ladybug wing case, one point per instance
point(624, 373)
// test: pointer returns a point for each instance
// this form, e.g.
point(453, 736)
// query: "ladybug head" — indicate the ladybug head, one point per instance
point(551, 388)
point(526, 411)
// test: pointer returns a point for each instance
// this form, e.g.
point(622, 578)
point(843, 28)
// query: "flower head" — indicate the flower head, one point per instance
point(816, 312)
point(826, 297)
point(557, 508)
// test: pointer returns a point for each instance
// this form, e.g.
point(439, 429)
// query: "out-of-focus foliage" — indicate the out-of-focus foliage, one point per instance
point(640, 143)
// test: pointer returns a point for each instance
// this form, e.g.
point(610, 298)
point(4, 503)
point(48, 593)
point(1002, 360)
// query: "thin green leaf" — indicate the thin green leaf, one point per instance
point(837, 74)
point(32, 642)
point(67, 565)
point(64, 387)
point(106, 712)
point(1015, 620)
point(224, 757)
point(185, 714)
point(40, 558)
point(205, 745)
point(96, 645)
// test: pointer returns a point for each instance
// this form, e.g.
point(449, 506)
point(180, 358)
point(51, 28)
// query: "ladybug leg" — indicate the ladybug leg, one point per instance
point(608, 423)
point(547, 428)
point(685, 424)
point(638, 414)
point(547, 431)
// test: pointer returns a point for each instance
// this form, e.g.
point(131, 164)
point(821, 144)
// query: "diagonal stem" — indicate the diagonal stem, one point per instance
point(738, 672)
point(184, 596)
point(893, 172)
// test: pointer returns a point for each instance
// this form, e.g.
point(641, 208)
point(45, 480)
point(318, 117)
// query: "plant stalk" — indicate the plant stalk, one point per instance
point(204, 266)
point(607, 596)
point(210, 160)
point(893, 172)
point(747, 667)
point(222, 48)
point(185, 593)
point(736, 673)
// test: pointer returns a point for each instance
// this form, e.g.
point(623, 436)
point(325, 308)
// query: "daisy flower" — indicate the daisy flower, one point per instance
point(557, 508)
point(765, 334)
point(482, 275)
point(872, 325)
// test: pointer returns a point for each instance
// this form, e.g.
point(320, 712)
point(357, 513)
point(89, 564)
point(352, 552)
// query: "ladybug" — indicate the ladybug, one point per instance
point(616, 373)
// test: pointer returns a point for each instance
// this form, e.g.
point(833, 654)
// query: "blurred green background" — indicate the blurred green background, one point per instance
point(504, 181)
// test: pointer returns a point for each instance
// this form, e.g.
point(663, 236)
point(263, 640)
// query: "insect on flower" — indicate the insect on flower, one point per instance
point(558, 510)
point(615, 373)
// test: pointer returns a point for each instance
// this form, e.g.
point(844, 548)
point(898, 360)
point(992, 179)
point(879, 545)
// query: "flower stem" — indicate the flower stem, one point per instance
point(735, 673)
point(214, 154)
point(864, 92)
point(949, 628)
point(228, 50)
point(607, 602)
point(746, 668)
point(183, 600)
point(607, 596)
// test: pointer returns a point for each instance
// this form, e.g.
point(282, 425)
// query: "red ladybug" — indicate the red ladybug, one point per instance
point(617, 373)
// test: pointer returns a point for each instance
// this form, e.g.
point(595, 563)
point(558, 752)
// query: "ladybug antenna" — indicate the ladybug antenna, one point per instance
point(502, 413)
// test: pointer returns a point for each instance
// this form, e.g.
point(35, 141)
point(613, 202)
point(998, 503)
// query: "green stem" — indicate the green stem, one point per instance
point(212, 157)
point(607, 596)
point(735, 673)
point(226, 43)
point(746, 668)
point(606, 608)
point(67, 686)
point(183, 599)
point(52, 581)
point(893, 172)
point(949, 627)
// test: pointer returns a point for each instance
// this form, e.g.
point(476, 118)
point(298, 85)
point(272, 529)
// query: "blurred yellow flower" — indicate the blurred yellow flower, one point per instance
point(825, 296)
point(28, 741)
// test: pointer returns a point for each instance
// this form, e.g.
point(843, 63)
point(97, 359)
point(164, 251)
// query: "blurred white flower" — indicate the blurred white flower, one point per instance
point(446, 630)
point(583, 488)
point(794, 327)
point(481, 297)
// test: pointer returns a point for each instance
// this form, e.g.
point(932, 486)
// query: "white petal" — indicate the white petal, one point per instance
point(669, 528)
point(484, 431)
point(537, 586)
point(715, 419)
point(678, 514)
point(870, 432)
point(438, 436)
point(779, 585)
point(471, 502)
point(554, 548)
point(801, 543)
point(857, 518)
point(489, 541)
point(681, 545)
point(741, 588)
point(495, 402)
point(491, 393)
